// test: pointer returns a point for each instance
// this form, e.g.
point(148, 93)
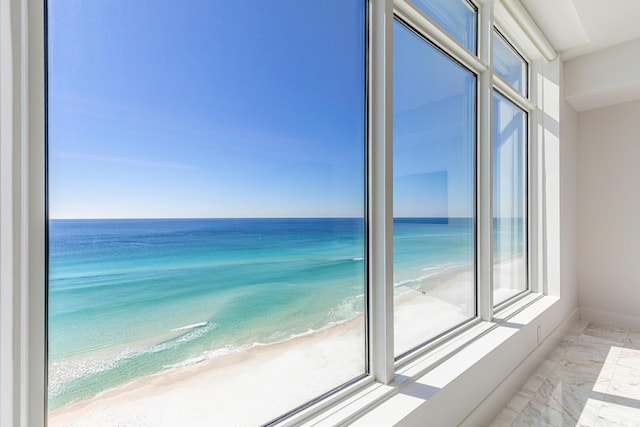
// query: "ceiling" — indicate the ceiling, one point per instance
point(578, 27)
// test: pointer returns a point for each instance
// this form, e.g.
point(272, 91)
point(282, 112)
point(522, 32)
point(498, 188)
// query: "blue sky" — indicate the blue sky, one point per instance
point(206, 109)
point(243, 109)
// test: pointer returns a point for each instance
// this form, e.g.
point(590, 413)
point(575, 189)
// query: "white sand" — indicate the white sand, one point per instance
point(254, 386)
point(247, 388)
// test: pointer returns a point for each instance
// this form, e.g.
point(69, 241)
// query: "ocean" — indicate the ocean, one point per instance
point(129, 298)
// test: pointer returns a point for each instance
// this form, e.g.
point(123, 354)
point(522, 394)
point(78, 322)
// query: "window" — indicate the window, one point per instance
point(508, 64)
point(457, 17)
point(206, 202)
point(509, 199)
point(433, 192)
point(213, 186)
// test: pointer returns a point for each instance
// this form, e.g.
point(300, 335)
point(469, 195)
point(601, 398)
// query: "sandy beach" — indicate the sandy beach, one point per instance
point(240, 389)
point(256, 385)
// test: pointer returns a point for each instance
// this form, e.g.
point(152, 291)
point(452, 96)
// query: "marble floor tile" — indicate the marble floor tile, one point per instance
point(537, 414)
point(558, 353)
point(608, 368)
point(633, 340)
point(612, 414)
point(598, 344)
point(568, 374)
point(622, 401)
point(588, 351)
point(625, 383)
point(552, 413)
point(560, 403)
point(579, 327)
point(576, 398)
point(629, 357)
point(592, 378)
point(610, 333)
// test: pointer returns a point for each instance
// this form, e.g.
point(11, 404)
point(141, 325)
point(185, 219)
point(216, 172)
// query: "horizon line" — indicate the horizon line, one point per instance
point(244, 217)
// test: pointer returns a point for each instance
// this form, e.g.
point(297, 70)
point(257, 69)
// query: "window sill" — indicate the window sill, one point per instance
point(429, 376)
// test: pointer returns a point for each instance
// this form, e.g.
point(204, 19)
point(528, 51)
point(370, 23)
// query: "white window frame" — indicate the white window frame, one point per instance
point(22, 214)
point(23, 205)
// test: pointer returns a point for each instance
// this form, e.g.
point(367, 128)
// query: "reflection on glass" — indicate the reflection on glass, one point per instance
point(433, 191)
point(457, 17)
point(509, 203)
point(206, 240)
point(508, 64)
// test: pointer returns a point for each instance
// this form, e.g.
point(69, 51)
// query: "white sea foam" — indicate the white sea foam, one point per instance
point(347, 309)
point(187, 362)
point(277, 335)
point(208, 355)
point(70, 369)
point(195, 333)
point(212, 354)
point(185, 328)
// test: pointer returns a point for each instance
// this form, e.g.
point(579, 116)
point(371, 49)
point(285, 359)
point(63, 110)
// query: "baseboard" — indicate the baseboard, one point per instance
point(491, 406)
point(609, 318)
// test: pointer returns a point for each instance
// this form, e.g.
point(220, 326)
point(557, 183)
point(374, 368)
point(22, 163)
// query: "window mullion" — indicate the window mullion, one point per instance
point(380, 191)
point(484, 197)
point(536, 273)
point(513, 95)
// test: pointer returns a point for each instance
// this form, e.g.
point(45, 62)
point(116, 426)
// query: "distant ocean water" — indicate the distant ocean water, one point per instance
point(129, 298)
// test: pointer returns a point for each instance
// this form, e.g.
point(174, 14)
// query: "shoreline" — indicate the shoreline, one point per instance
point(240, 373)
point(300, 368)
point(105, 355)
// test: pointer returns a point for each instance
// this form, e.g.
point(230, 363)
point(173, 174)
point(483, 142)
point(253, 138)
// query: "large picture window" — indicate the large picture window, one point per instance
point(206, 209)
point(256, 209)
point(434, 191)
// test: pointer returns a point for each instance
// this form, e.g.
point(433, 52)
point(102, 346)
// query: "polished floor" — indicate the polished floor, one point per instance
point(591, 379)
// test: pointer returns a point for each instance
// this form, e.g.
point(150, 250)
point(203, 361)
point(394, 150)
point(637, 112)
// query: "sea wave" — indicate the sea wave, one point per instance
point(207, 355)
point(70, 369)
point(64, 371)
point(192, 326)
point(227, 350)
point(347, 309)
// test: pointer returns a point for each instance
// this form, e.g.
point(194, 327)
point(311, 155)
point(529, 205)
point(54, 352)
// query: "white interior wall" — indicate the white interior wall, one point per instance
point(609, 214)
point(569, 180)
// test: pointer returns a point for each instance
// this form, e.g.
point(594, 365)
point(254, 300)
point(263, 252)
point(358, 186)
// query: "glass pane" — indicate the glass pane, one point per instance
point(509, 203)
point(433, 191)
point(509, 65)
point(206, 199)
point(457, 17)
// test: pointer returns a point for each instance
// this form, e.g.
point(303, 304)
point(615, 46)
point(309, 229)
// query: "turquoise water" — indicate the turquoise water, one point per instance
point(129, 298)
point(195, 288)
